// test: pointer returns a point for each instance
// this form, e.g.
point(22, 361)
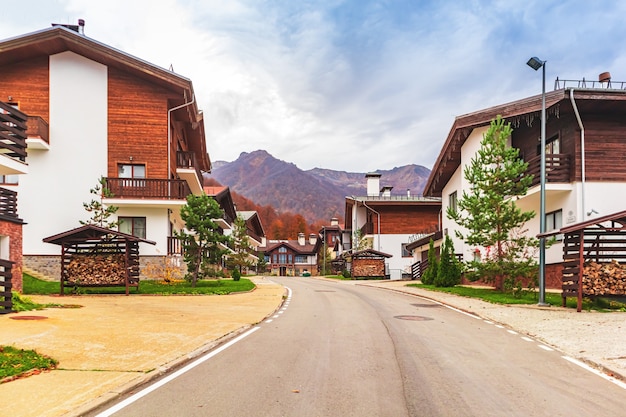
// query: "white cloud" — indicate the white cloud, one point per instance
point(357, 85)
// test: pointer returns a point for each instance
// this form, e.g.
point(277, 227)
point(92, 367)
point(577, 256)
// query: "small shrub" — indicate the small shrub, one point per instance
point(346, 274)
point(236, 275)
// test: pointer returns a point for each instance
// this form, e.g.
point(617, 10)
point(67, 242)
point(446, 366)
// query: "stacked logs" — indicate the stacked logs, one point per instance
point(96, 270)
point(604, 278)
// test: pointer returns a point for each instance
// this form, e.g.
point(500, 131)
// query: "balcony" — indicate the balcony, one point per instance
point(187, 168)
point(37, 132)
point(8, 205)
point(174, 246)
point(557, 169)
point(12, 132)
point(148, 188)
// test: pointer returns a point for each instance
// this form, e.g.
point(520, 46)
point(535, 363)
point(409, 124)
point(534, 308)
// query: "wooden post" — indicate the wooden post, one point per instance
point(581, 268)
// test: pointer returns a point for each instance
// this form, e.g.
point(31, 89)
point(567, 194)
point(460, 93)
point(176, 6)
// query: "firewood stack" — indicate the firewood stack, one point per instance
point(97, 270)
point(604, 278)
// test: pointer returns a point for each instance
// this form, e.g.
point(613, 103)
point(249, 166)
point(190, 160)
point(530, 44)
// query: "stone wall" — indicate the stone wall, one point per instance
point(368, 268)
point(14, 233)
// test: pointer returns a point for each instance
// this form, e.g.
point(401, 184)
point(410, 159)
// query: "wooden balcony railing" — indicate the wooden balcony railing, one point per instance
point(187, 160)
point(12, 132)
point(174, 246)
point(148, 188)
point(37, 127)
point(557, 168)
point(8, 204)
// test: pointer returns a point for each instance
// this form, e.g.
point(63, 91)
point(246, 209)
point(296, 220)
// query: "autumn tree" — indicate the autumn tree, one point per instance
point(202, 237)
point(496, 175)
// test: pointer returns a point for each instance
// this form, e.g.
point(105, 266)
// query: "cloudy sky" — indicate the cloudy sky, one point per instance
point(354, 85)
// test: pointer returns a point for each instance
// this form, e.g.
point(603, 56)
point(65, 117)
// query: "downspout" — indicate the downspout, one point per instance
point(377, 214)
point(582, 151)
point(169, 133)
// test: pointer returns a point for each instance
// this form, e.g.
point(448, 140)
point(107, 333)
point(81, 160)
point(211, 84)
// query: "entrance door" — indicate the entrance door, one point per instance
point(283, 271)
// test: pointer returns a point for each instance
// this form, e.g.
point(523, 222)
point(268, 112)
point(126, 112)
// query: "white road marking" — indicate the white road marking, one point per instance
point(609, 378)
point(128, 401)
point(544, 347)
point(512, 331)
point(528, 339)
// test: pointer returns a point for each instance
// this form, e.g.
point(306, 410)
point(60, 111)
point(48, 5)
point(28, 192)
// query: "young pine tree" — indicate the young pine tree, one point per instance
point(488, 212)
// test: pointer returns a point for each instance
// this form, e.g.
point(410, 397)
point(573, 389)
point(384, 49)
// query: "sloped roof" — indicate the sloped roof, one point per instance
point(369, 252)
point(57, 39)
point(91, 232)
point(305, 249)
point(528, 109)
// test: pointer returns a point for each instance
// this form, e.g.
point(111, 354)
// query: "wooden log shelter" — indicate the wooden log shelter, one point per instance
point(594, 258)
point(367, 263)
point(93, 256)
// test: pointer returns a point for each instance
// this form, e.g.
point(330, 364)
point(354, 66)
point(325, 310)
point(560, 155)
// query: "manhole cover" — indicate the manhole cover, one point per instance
point(28, 317)
point(426, 305)
point(414, 318)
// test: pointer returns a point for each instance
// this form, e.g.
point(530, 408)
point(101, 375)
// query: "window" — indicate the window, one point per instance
point(301, 259)
point(452, 202)
point(554, 220)
point(135, 226)
point(9, 179)
point(131, 171)
point(405, 252)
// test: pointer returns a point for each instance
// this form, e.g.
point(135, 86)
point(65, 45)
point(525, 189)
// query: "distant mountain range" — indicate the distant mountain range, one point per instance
point(316, 194)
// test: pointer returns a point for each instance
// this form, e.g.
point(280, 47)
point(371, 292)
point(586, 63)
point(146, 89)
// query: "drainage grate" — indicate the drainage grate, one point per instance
point(414, 318)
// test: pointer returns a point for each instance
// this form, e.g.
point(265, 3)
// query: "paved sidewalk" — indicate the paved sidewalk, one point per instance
point(113, 343)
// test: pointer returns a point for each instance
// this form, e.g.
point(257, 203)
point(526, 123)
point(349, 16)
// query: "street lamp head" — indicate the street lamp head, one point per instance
point(535, 63)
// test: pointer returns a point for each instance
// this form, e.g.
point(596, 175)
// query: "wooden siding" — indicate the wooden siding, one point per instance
point(137, 124)
point(605, 146)
point(27, 83)
point(406, 219)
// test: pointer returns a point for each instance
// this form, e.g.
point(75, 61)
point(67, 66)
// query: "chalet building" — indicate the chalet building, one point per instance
point(292, 257)
point(15, 127)
point(390, 222)
point(254, 227)
point(585, 148)
point(99, 112)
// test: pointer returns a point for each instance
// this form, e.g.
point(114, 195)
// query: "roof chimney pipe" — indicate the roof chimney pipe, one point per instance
point(81, 26)
point(604, 77)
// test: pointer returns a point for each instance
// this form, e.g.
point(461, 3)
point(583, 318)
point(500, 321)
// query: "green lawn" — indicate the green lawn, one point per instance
point(218, 286)
point(528, 297)
point(19, 362)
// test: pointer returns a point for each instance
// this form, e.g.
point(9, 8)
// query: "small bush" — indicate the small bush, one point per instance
point(236, 275)
point(346, 274)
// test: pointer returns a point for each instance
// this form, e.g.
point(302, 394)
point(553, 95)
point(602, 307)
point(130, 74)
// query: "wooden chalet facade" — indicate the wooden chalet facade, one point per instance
point(391, 222)
point(292, 257)
point(95, 111)
point(585, 144)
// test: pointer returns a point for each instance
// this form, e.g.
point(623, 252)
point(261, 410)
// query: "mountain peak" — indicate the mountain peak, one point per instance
point(317, 194)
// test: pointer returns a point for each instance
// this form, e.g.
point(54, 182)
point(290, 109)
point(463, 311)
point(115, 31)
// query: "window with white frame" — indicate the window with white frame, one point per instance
point(452, 202)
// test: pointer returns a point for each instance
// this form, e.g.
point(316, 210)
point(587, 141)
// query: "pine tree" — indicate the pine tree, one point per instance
point(100, 213)
point(242, 248)
point(449, 268)
point(428, 277)
point(201, 245)
point(488, 211)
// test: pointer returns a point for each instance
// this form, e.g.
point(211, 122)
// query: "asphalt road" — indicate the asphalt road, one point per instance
point(339, 349)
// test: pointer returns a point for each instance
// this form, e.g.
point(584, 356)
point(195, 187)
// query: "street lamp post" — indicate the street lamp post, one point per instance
point(535, 63)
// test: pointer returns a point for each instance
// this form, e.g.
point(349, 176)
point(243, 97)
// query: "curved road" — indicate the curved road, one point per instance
point(340, 349)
